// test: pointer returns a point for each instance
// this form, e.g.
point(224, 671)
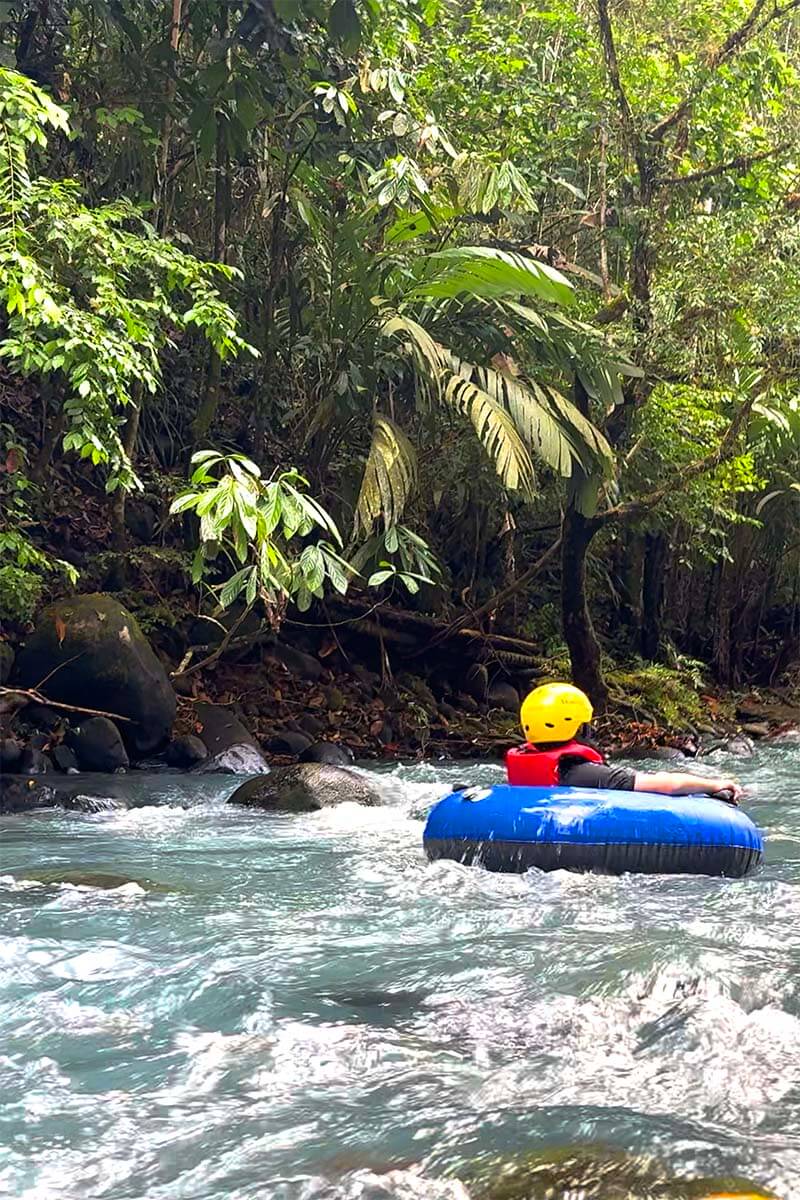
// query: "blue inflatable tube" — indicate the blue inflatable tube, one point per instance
point(508, 828)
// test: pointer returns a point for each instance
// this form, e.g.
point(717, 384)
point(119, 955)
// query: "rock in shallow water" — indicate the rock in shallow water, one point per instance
point(98, 745)
point(232, 749)
point(306, 787)
point(186, 751)
point(19, 794)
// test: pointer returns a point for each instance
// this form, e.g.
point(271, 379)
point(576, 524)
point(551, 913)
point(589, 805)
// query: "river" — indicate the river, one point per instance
point(303, 1008)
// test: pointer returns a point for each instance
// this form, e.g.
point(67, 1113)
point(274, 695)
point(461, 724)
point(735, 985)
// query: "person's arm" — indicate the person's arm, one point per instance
point(676, 783)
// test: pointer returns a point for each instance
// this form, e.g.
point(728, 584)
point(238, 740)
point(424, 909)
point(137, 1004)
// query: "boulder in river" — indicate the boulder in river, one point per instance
point(306, 787)
point(90, 649)
point(98, 745)
point(231, 747)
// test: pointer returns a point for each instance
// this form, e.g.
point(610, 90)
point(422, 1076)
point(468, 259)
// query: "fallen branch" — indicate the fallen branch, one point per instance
point(31, 696)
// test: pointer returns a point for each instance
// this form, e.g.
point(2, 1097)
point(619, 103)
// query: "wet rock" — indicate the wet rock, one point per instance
point(503, 695)
point(98, 745)
point(306, 787)
point(22, 794)
point(756, 729)
point(10, 754)
point(6, 662)
point(92, 646)
point(41, 716)
point(288, 742)
point(305, 666)
point(84, 803)
point(186, 751)
point(78, 877)
point(783, 737)
point(659, 753)
point(231, 747)
point(740, 746)
point(64, 758)
point(327, 752)
point(34, 762)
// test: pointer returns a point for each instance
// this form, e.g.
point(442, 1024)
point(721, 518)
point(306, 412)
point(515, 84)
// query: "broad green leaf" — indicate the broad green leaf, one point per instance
point(486, 272)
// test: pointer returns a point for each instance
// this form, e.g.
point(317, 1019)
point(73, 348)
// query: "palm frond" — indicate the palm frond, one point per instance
point(428, 356)
point(483, 271)
point(494, 426)
point(390, 477)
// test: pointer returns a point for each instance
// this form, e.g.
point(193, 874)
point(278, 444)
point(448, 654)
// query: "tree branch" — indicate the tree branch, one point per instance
point(13, 698)
point(733, 43)
point(612, 67)
point(499, 598)
point(742, 163)
point(643, 504)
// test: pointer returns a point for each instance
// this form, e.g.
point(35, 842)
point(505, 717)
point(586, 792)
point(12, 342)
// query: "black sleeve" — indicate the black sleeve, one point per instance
point(576, 773)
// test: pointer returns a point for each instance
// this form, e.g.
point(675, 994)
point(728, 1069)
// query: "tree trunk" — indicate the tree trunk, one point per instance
point(130, 436)
point(655, 561)
point(222, 209)
point(579, 634)
point(577, 532)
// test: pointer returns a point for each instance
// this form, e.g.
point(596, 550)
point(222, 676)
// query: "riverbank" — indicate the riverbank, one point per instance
point(333, 693)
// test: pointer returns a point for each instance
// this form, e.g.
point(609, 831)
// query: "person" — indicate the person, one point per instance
point(554, 717)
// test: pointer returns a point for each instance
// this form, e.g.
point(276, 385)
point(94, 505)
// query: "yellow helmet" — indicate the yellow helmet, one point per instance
point(554, 712)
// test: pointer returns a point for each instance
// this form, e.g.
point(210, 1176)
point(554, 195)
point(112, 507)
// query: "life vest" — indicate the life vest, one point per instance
point(528, 766)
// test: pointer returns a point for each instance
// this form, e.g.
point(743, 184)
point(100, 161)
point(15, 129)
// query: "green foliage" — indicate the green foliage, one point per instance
point(92, 294)
point(250, 522)
point(669, 695)
point(398, 555)
point(24, 567)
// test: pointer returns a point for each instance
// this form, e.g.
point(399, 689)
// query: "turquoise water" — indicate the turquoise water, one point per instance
point(302, 1008)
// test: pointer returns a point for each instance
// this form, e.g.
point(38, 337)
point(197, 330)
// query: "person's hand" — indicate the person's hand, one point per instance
point(728, 790)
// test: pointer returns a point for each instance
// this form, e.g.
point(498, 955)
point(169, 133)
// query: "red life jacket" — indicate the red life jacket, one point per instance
point(528, 766)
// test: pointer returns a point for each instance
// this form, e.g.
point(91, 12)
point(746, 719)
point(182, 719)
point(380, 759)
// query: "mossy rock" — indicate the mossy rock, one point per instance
point(306, 787)
point(597, 1173)
point(90, 651)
